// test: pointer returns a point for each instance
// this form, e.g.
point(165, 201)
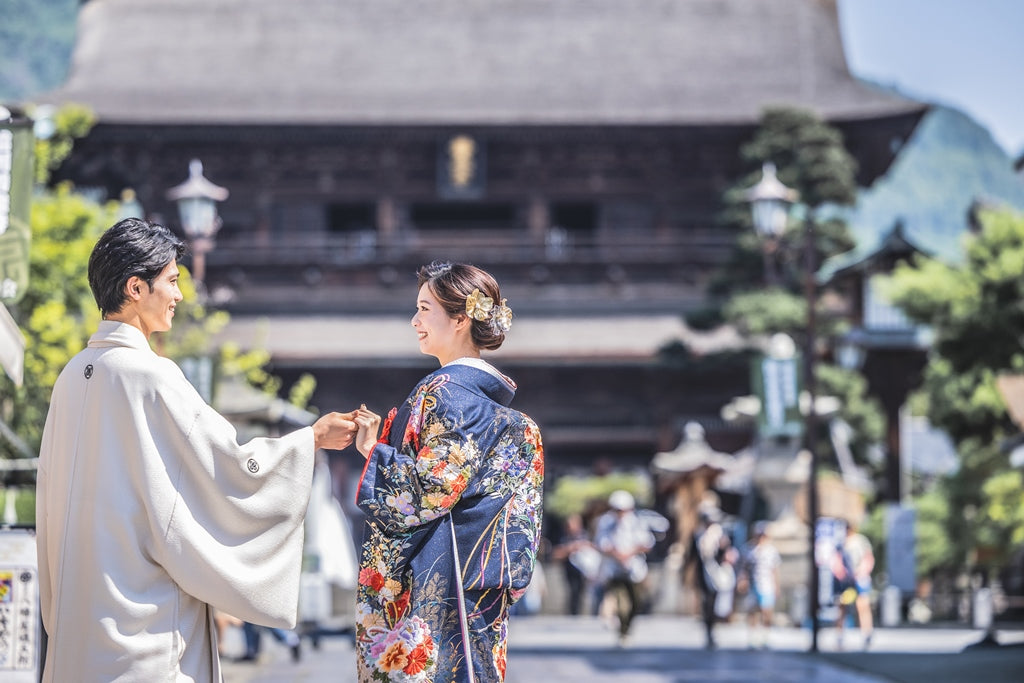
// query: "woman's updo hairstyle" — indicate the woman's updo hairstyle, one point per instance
point(452, 284)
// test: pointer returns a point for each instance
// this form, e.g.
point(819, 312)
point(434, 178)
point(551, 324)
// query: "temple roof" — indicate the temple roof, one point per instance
point(893, 244)
point(485, 62)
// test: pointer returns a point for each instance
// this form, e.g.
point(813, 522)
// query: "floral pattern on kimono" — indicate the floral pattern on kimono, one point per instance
point(454, 453)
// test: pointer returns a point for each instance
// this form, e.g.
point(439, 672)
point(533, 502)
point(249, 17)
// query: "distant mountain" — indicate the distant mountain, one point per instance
point(949, 162)
point(37, 37)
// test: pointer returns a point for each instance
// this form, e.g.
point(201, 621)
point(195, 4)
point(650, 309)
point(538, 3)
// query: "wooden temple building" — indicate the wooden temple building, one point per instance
point(577, 149)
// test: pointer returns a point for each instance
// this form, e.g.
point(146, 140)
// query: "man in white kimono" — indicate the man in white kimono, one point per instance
point(149, 513)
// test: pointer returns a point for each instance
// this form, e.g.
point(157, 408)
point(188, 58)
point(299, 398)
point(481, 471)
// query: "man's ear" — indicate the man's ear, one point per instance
point(133, 288)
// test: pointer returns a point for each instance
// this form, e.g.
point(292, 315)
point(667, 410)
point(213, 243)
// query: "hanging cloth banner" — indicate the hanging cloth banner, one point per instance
point(777, 382)
point(17, 160)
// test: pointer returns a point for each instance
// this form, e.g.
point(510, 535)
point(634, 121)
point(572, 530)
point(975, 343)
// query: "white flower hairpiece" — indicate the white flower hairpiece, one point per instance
point(482, 308)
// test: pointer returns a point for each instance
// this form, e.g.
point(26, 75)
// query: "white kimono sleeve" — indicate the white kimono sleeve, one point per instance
point(232, 534)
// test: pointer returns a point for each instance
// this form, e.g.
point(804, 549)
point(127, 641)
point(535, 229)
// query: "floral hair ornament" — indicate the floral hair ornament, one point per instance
point(479, 306)
point(482, 308)
point(502, 316)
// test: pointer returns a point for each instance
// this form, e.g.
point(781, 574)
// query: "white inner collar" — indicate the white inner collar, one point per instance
point(481, 364)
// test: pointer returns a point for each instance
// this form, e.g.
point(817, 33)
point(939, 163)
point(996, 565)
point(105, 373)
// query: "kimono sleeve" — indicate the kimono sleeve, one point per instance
point(43, 540)
point(233, 535)
point(422, 480)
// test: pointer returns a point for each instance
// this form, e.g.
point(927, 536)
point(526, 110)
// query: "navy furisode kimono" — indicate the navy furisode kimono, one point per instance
point(453, 453)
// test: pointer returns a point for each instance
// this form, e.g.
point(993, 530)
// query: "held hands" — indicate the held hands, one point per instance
point(335, 430)
point(338, 430)
point(368, 423)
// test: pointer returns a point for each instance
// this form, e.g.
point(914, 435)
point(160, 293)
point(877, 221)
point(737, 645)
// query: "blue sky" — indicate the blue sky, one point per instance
point(965, 53)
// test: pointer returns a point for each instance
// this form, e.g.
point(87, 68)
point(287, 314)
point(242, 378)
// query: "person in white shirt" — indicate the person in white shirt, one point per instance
point(624, 540)
point(759, 577)
point(856, 561)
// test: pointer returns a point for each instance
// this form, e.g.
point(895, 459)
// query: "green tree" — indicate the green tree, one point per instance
point(975, 309)
point(70, 122)
point(810, 158)
point(58, 312)
point(575, 494)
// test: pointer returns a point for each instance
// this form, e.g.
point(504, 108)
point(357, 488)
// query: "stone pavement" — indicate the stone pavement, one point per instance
point(667, 649)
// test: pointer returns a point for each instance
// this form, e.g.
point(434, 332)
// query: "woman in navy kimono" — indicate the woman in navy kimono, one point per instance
point(452, 496)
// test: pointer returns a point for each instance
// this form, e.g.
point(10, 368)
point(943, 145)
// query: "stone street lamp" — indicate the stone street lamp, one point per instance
point(197, 201)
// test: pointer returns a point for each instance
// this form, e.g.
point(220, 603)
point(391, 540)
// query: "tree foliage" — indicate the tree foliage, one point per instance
point(70, 122)
point(767, 311)
point(575, 494)
point(810, 158)
point(976, 310)
point(859, 410)
point(57, 313)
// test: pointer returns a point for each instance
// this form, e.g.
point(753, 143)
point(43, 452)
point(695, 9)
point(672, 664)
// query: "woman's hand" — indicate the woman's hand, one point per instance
point(368, 423)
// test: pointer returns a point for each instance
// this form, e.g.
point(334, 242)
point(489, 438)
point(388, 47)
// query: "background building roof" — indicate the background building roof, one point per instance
point(463, 61)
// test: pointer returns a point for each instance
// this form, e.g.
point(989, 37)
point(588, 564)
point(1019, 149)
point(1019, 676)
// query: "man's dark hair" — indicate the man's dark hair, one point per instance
point(131, 248)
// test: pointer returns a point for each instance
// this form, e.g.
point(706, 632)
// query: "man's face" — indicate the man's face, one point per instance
point(156, 308)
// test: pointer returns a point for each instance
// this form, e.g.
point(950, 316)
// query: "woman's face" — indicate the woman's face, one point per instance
point(439, 334)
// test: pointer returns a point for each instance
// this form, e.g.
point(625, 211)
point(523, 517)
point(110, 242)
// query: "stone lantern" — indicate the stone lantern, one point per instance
point(686, 475)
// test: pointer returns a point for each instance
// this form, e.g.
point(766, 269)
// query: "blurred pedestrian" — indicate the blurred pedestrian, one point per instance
point(855, 560)
point(148, 511)
point(623, 539)
point(580, 561)
point(759, 579)
point(712, 553)
point(222, 621)
point(452, 493)
point(253, 641)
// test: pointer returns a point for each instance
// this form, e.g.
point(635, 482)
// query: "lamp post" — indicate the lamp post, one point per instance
point(770, 202)
point(197, 201)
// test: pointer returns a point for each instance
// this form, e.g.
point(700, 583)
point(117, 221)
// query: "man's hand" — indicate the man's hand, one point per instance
point(334, 430)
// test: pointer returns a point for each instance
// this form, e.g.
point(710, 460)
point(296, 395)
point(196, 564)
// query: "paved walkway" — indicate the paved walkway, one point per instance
point(671, 650)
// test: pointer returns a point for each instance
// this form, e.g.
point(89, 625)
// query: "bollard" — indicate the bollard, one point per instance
point(892, 599)
point(982, 608)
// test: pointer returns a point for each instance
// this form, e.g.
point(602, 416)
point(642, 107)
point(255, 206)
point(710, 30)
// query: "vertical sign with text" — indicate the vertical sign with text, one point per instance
point(776, 382)
point(17, 159)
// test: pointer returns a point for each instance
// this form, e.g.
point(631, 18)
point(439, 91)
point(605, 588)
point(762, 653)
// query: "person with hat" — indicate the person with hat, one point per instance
point(623, 539)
